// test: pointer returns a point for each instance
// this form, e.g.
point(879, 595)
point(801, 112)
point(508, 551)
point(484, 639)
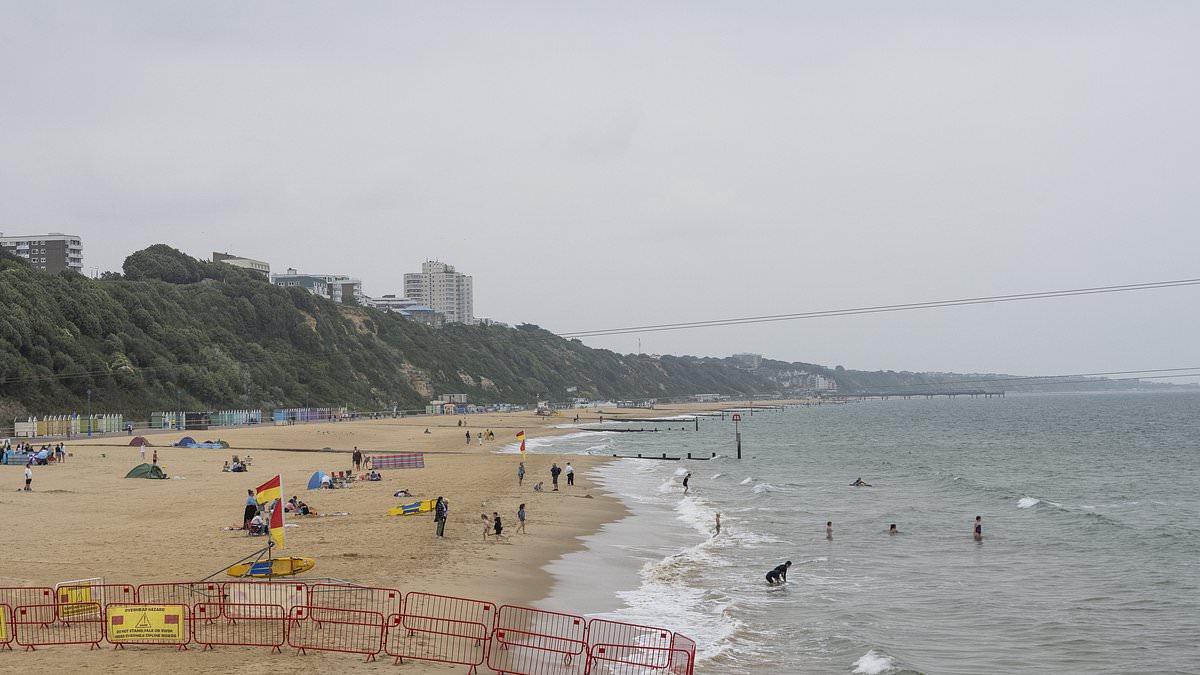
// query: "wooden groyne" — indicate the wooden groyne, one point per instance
point(665, 456)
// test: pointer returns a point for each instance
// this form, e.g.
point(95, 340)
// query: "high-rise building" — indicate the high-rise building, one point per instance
point(336, 287)
point(448, 292)
point(52, 252)
point(244, 263)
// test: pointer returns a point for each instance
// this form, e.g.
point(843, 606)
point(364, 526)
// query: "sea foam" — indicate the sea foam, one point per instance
point(1027, 502)
point(873, 663)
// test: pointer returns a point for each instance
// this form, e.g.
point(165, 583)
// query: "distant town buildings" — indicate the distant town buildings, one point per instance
point(748, 361)
point(448, 292)
point(245, 263)
point(412, 309)
point(336, 287)
point(53, 252)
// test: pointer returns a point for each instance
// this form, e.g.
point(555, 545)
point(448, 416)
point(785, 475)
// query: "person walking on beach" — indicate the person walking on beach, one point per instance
point(356, 457)
point(468, 439)
point(554, 471)
point(520, 473)
point(487, 526)
point(143, 451)
point(779, 574)
point(28, 475)
point(155, 460)
point(685, 482)
point(521, 519)
point(978, 528)
point(570, 474)
point(497, 526)
point(480, 437)
point(250, 510)
point(829, 530)
point(439, 515)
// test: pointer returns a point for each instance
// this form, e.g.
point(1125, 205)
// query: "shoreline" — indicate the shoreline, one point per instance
point(83, 519)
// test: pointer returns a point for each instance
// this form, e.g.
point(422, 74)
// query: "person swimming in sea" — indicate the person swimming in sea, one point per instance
point(893, 530)
point(860, 483)
point(978, 528)
point(779, 574)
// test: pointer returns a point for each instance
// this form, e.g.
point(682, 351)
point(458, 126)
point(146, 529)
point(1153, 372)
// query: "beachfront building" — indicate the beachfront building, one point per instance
point(412, 309)
point(245, 263)
point(448, 292)
point(748, 361)
point(336, 287)
point(53, 252)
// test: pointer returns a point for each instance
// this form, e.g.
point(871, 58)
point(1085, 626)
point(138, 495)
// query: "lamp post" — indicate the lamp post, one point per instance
point(89, 397)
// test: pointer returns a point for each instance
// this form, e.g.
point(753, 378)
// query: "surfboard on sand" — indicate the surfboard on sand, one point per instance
point(278, 567)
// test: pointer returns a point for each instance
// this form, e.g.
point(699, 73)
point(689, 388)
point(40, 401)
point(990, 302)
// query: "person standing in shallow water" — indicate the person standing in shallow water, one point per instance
point(978, 528)
point(829, 530)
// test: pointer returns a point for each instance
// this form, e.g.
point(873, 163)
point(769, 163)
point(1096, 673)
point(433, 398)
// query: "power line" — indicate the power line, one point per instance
point(877, 309)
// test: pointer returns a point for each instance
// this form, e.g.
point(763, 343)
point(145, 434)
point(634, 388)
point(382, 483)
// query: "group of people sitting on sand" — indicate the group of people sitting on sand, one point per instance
point(239, 465)
point(25, 453)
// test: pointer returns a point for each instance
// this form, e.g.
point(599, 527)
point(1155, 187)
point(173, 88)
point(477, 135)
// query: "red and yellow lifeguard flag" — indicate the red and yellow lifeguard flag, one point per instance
point(270, 494)
point(521, 437)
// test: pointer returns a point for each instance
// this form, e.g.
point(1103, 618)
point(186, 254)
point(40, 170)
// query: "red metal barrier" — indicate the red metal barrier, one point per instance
point(140, 623)
point(630, 660)
point(427, 638)
point(15, 596)
point(612, 634)
point(38, 625)
point(82, 593)
point(683, 655)
point(385, 601)
point(535, 642)
point(450, 607)
point(247, 625)
point(348, 631)
point(286, 594)
point(181, 593)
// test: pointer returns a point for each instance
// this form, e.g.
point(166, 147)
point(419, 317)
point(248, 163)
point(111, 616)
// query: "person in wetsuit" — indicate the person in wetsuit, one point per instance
point(779, 574)
point(978, 528)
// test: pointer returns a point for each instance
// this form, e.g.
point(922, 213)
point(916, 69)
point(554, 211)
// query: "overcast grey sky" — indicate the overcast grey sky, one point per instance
point(608, 164)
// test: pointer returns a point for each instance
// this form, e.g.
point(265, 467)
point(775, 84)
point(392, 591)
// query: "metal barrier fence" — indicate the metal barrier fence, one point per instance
point(84, 593)
point(349, 631)
point(340, 618)
point(40, 625)
point(683, 654)
point(427, 638)
point(385, 601)
point(243, 625)
point(535, 642)
point(627, 660)
point(181, 593)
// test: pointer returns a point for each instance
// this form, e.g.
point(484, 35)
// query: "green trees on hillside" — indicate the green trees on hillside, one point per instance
point(218, 336)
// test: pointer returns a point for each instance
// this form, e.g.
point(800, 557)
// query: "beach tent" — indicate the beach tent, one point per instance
point(146, 471)
point(314, 481)
point(139, 440)
point(186, 442)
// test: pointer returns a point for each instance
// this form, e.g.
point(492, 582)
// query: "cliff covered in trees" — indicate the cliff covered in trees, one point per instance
point(222, 337)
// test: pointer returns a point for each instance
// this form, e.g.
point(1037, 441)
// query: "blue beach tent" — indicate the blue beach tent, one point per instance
point(314, 481)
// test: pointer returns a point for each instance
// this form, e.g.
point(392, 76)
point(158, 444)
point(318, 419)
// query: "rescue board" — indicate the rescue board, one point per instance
point(277, 567)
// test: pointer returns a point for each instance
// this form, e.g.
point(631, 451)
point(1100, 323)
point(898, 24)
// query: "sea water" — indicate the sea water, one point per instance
point(1090, 561)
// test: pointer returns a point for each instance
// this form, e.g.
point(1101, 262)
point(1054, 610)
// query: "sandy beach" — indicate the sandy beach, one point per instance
point(83, 519)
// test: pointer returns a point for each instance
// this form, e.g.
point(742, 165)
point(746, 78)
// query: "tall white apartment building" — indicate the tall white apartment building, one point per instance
point(52, 252)
point(448, 292)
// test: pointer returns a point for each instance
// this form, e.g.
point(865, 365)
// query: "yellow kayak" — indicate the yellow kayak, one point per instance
point(277, 567)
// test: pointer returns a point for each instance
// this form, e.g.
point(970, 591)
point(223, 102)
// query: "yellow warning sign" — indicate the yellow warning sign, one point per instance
point(76, 601)
point(146, 623)
point(3, 623)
